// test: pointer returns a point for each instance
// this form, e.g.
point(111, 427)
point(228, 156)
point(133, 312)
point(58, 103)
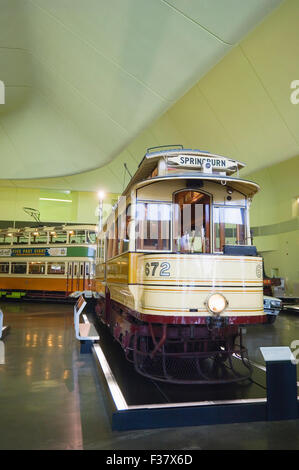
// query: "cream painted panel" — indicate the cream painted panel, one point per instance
point(171, 301)
point(164, 190)
point(160, 191)
point(204, 269)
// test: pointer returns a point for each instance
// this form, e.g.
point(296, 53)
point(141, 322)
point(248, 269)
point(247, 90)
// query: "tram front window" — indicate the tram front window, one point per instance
point(153, 226)
point(229, 227)
point(191, 222)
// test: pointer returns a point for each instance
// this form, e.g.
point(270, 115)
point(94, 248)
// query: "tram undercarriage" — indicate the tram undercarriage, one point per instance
point(211, 353)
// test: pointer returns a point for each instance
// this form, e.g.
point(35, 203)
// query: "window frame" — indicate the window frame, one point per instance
point(229, 206)
point(49, 263)
point(158, 202)
point(30, 263)
point(211, 212)
point(18, 262)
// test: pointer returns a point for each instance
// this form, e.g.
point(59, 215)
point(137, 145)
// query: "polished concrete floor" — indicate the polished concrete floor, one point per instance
point(51, 398)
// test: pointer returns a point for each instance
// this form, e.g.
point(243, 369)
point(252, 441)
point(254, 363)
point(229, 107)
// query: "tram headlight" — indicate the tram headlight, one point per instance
point(216, 303)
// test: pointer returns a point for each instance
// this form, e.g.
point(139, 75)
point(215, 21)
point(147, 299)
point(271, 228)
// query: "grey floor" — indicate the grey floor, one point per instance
point(51, 398)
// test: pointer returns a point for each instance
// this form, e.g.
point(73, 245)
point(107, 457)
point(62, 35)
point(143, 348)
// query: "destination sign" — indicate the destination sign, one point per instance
point(200, 162)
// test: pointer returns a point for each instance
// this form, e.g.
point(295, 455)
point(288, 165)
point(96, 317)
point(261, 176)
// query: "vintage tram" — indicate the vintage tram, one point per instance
point(47, 262)
point(176, 272)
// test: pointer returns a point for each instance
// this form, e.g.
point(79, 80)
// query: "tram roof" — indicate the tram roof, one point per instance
point(151, 159)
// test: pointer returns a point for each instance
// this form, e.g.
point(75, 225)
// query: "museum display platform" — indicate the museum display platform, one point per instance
point(136, 402)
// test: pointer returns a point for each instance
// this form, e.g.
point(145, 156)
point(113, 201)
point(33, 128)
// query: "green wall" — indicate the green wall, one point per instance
point(275, 219)
point(81, 209)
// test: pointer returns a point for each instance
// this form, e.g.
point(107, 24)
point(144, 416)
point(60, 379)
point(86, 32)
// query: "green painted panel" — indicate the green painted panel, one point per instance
point(80, 251)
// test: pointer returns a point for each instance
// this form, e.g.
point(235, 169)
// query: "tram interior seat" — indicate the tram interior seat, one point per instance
point(240, 250)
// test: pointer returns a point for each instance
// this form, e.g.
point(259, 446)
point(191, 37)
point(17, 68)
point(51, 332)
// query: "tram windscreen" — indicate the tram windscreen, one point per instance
point(229, 226)
point(191, 222)
point(153, 226)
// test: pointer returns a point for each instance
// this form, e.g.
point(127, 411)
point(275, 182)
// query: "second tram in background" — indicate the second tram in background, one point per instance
point(177, 273)
point(47, 262)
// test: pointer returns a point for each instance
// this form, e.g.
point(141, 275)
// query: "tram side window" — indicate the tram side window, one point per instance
point(38, 237)
point(24, 239)
point(91, 237)
point(56, 268)
point(37, 268)
point(80, 237)
point(153, 226)
point(5, 240)
point(100, 249)
point(18, 268)
point(110, 242)
point(60, 237)
point(86, 269)
point(4, 268)
point(123, 221)
point(21, 239)
point(92, 269)
point(229, 227)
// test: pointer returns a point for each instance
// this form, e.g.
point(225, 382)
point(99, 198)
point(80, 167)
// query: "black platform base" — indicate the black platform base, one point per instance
point(196, 415)
point(135, 402)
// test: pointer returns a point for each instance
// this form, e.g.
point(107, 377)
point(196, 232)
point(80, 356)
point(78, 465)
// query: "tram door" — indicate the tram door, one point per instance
point(191, 222)
point(78, 276)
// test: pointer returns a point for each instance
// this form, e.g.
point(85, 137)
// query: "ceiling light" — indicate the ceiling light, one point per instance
point(101, 195)
point(56, 200)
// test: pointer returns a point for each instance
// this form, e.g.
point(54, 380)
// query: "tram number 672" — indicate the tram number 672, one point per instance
point(151, 269)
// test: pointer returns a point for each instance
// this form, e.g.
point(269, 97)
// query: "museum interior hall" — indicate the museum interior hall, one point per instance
point(149, 227)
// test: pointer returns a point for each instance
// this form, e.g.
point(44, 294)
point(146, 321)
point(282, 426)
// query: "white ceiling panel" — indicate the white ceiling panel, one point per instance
point(85, 78)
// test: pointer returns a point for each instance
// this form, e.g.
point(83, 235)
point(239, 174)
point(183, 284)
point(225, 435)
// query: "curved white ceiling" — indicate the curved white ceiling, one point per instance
point(84, 77)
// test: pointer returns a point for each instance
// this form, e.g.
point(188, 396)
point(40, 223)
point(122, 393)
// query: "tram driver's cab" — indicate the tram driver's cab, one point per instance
point(192, 221)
